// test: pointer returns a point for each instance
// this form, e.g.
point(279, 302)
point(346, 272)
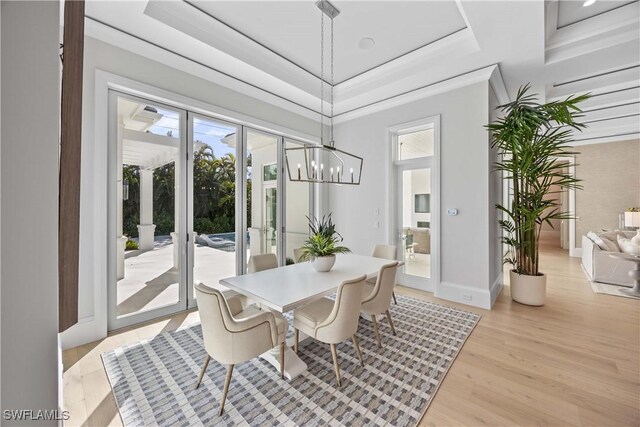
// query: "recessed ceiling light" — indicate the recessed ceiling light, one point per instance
point(366, 43)
point(588, 3)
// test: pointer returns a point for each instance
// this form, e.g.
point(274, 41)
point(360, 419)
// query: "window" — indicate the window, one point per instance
point(415, 144)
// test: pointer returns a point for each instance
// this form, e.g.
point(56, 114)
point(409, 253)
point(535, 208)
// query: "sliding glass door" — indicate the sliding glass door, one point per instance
point(147, 191)
point(214, 249)
point(191, 199)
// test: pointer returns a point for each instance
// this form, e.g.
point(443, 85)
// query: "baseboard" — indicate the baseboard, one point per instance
point(575, 252)
point(464, 294)
point(87, 329)
point(496, 288)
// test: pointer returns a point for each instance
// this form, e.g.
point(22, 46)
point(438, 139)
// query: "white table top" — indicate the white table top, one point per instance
point(286, 288)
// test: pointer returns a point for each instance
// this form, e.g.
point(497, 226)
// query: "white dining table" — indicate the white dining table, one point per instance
point(286, 288)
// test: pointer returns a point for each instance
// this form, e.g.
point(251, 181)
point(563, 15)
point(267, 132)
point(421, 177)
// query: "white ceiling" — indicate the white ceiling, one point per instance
point(292, 29)
point(272, 48)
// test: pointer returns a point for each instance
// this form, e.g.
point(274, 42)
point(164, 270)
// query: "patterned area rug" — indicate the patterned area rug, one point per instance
point(607, 289)
point(153, 380)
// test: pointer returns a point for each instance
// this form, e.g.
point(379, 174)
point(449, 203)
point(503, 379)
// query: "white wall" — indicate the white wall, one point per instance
point(495, 197)
point(93, 226)
point(465, 185)
point(29, 212)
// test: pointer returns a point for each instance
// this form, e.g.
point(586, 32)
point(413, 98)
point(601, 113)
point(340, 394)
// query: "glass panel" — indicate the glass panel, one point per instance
point(416, 218)
point(415, 144)
point(262, 201)
point(147, 214)
point(296, 210)
point(214, 211)
point(270, 172)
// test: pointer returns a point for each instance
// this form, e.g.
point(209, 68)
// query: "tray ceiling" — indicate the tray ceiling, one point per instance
point(292, 29)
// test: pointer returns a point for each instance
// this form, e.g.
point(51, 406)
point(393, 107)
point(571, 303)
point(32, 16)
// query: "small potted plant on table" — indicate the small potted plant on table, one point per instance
point(323, 244)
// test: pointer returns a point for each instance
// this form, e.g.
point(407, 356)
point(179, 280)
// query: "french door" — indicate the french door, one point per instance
point(415, 201)
point(191, 198)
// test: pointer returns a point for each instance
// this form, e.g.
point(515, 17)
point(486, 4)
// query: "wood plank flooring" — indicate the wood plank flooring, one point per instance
point(574, 361)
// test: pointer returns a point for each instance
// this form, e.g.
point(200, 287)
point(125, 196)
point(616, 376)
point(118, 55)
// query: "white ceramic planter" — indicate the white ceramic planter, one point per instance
point(324, 263)
point(529, 290)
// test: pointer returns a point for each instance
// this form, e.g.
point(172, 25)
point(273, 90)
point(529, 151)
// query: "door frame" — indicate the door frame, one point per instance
point(396, 168)
point(113, 321)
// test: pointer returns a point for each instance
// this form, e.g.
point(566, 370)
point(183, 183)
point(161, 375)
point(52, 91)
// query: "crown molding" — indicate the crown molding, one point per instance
point(138, 45)
point(598, 32)
point(476, 76)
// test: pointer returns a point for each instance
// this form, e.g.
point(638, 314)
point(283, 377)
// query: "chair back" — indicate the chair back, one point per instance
point(380, 298)
point(385, 251)
point(342, 322)
point(262, 262)
point(297, 253)
point(222, 339)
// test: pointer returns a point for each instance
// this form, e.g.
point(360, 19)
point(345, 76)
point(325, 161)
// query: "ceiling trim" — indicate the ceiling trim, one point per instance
point(445, 85)
point(106, 32)
point(598, 32)
point(592, 16)
point(248, 37)
point(289, 60)
point(417, 49)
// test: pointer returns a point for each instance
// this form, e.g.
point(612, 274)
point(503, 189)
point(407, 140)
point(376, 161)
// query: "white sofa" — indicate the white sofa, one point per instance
point(600, 267)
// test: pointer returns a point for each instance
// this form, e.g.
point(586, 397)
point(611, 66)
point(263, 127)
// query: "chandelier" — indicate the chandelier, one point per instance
point(324, 163)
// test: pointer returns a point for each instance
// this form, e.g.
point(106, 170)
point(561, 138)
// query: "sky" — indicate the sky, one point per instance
point(208, 131)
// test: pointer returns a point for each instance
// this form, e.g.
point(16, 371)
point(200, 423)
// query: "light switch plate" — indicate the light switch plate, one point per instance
point(376, 212)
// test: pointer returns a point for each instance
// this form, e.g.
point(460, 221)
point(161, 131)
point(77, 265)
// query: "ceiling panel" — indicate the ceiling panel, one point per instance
point(292, 29)
point(572, 11)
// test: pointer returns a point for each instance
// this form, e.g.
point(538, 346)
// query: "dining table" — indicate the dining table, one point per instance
point(286, 288)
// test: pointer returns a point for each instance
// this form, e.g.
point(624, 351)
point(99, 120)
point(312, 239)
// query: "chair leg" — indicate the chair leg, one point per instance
point(282, 360)
point(357, 345)
point(202, 371)
point(225, 390)
point(375, 328)
point(395, 301)
point(295, 342)
point(393, 328)
point(336, 367)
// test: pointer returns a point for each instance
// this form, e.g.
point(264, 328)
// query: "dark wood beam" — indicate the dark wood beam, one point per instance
point(71, 138)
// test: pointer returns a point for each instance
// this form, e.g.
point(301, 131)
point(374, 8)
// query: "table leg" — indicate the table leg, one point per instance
point(293, 364)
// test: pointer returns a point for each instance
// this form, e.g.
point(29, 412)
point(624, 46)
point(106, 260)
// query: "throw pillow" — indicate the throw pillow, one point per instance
point(597, 240)
point(611, 239)
point(627, 246)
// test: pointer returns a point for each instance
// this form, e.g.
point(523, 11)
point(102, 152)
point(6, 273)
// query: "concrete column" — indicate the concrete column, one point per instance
point(146, 228)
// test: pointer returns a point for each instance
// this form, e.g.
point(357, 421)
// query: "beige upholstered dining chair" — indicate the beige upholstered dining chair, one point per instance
point(233, 333)
point(376, 298)
point(332, 322)
point(262, 262)
point(297, 254)
point(384, 252)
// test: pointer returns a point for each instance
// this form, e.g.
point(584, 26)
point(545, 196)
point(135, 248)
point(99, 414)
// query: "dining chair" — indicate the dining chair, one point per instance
point(332, 322)
point(376, 299)
point(297, 254)
point(384, 252)
point(262, 262)
point(234, 333)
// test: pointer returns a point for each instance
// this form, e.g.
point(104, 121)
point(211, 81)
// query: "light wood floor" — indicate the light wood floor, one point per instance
point(574, 361)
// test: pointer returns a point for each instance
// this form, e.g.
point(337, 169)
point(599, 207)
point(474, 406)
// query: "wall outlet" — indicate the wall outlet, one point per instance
point(376, 212)
point(376, 224)
point(466, 297)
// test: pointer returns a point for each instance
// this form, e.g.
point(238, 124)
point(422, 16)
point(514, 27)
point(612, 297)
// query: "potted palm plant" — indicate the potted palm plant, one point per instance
point(323, 244)
point(531, 139)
